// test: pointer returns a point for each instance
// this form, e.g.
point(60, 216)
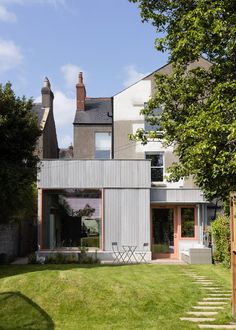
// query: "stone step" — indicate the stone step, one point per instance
point(212, 303)
point(216, 326)
point(214, 298)
point(219, 294)
point(207, 307)
point(202, 313)
point(217, 289)
point(197, 319)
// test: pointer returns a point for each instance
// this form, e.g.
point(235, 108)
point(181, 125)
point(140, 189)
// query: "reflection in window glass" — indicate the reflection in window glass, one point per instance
point(147, 124)
point(187, 222)
point(157, 168)
point(72, 218)
point(102, 145)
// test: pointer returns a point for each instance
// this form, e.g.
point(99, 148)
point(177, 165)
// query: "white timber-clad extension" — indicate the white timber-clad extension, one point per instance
point(57, 174)
point(127, 217)
point(159, 195)
point(126, 196)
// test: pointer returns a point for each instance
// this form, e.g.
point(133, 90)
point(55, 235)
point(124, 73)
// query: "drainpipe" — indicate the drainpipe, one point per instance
point(112, 129)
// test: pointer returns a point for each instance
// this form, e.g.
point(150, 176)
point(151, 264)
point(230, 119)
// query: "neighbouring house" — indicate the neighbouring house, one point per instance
point(114, 189)
point(47, 146)
point(92, 125)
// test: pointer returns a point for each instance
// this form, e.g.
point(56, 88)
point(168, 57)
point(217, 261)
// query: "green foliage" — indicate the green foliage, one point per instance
point(85, 258)
point(90, 241)
point(221, 239)
point(32, 259)
point(199, 117)
point(19, 133)
point(60, 258)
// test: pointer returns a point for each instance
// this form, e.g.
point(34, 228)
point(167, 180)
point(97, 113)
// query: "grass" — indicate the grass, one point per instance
point(102, 297)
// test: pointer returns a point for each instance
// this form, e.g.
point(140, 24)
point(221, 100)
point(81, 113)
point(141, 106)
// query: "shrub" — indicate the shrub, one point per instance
point(84, 258)
point(90, 241)
point(32, 259)
point(61, 258)
point(221, 239)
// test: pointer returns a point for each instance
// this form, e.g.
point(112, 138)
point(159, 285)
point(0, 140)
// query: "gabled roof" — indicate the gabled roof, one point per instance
point(39, 111)
point(202, 60)
point(96, 111)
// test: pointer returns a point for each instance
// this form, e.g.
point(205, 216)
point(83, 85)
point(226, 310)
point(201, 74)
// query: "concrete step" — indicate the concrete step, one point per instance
point(212, 303)
point(219, 294)
point(215, 299)
point(217, 289)
point(216, 326)
point(197, 319)
point(202, 313)
point(207, 307)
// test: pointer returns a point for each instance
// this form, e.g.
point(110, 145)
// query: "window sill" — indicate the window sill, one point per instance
point(158, 184)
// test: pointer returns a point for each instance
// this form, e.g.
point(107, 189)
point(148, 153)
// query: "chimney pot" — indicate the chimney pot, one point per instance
point(80, 93)
point(81, 78)
point(47, 94)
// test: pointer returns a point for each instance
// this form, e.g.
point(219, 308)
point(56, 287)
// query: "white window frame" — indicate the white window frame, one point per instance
point(145, 120)
point(163, 165)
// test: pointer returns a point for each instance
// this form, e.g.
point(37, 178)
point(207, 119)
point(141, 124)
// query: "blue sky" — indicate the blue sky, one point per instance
point(58, 38)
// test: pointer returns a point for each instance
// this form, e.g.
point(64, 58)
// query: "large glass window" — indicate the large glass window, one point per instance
point(103, 145)
point(72, 218)
point(187, 222)
point(157, 167)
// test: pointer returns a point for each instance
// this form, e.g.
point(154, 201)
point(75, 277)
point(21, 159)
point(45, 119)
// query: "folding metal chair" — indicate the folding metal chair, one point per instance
point(118, 254)
point(143, 253)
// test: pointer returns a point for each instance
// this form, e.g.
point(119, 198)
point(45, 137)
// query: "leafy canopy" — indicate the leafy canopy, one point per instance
point(199, 103)
point(18, 163)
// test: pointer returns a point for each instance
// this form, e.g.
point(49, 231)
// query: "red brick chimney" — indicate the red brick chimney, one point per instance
point(80, 93)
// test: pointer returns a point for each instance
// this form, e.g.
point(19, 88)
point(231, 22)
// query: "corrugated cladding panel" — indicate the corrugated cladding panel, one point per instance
point(177, 195)
point(127, 217)
point(94, 174)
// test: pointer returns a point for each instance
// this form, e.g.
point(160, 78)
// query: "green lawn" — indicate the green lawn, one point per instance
point(102, 297)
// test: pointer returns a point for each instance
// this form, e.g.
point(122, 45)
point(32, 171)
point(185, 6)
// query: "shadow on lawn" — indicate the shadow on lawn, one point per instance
point(12, 270)
point(18, 312)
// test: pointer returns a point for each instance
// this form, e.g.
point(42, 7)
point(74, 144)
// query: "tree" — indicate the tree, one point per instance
point(18, 162)
point(199, 116)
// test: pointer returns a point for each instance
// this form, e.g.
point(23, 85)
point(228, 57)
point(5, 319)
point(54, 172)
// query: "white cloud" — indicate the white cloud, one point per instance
point(65, 140)
point(6, 15)
point(132, 75)
point(70, 72)
point(64, 109)
point(26, 2)
point(10, 55)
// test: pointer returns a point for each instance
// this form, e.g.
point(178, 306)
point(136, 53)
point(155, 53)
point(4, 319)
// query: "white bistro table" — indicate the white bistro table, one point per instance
point(129, 253)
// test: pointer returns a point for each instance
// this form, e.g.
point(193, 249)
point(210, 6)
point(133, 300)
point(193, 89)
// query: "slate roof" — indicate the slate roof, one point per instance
point(96, 110)
point(39, 111)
